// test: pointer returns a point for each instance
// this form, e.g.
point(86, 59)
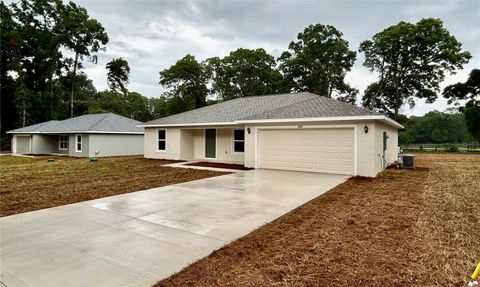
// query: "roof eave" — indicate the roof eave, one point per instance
point(325, 119)
point(187, 125)
point(316, 119)
point(77, 132)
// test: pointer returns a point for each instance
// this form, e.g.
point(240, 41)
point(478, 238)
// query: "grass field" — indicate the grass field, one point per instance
point(405, 228)
point(33, 183)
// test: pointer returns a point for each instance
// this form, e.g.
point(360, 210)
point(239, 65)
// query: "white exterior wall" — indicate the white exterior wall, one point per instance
point(172, 146)
point(189, 144)
point(224, 144)
point(391, 154)
point(115, 144)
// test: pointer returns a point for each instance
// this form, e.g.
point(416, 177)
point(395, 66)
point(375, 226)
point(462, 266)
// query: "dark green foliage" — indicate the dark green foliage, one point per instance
point(118, 75)
point(245, 73)
point(470, 92)
point(318, 62)
point(379, 99)
point(36, 72)
point(411, 60)
point(187, 79)
point(5, 143)
point(435, 127)
point(451, 148)
point(472, 119)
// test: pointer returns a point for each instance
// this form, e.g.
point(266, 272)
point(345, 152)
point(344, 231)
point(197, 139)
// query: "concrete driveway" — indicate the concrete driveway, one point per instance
point(138, 238)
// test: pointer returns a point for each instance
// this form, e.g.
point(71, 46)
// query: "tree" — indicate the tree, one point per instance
point(435, 127)
point(84, 36)
point(118, 76)
point(34, 37)
point(138, 107)
point(244, 73)
point(318, 62)
point(411, 60)
point(468, 91)
point(378, 98)
point(108, 101)
point(85, 95)
point(187, 79)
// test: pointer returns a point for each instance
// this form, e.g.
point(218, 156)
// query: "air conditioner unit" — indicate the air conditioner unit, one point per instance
point(407, 160)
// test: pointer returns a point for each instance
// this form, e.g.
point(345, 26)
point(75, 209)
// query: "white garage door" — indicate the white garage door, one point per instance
point(23, 144)
point(315, 150)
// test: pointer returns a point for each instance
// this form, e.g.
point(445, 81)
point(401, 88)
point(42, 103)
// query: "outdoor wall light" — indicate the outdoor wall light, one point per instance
point(248, 130)
point(365, 128)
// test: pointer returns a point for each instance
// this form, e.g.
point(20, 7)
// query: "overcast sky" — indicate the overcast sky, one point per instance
point(152, 35)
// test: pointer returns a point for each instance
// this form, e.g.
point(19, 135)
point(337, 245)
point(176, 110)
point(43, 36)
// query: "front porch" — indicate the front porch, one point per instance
point(50, 144)
point(216, 144)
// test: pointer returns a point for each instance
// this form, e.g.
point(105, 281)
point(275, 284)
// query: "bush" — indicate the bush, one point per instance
point(451, 148)
point(5, 143)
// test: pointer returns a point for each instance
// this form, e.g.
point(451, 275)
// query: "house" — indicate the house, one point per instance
point(84, 136)
point(299, 132)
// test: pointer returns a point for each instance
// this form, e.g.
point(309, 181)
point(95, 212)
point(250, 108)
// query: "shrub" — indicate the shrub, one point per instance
point(5, 143)
point(451, 148)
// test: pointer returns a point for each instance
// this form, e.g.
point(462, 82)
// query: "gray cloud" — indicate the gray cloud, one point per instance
point(152, 35)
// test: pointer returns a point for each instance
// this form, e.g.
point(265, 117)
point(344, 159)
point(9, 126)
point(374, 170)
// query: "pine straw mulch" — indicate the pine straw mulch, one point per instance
point(220, 165)
point(404, 228)
point(28, 184)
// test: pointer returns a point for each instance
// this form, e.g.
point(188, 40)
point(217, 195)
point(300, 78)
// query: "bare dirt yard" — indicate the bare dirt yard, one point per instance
point(28, 184)
point(405, 228)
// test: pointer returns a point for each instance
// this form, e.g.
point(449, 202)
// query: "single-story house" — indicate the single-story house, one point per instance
point(92, 135)
point(295, 131)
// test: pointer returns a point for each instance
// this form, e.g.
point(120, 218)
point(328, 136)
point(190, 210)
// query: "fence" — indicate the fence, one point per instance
point(467, 147)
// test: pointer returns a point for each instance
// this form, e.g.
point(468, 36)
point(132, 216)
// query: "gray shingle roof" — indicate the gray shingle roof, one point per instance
point(312, 108)
point(279, 106)
point(95, 123)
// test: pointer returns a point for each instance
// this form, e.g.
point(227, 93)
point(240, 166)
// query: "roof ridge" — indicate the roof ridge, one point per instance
point(231, 100)
point(355, 106)
point(268, 95)
point(273, 110)
point(91, 128)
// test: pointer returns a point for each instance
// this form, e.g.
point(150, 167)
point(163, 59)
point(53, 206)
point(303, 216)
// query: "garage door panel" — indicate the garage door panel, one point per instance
point(316, 150)
point(22, 144)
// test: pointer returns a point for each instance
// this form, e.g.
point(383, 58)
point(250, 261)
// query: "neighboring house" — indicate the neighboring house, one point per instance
point(108, 134)
point(300, 132)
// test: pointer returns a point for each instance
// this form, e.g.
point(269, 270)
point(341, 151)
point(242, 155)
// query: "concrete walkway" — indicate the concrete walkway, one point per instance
point(138, 238)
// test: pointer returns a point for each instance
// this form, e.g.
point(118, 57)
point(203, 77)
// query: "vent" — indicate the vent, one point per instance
point(408, 160)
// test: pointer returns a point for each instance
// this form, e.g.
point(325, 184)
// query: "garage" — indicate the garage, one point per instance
point(326, 150)
point(22, 144)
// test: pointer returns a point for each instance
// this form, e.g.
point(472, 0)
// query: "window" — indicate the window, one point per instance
point(238, 141)
point(78, 143)
point(63, 142)
point(162, 140)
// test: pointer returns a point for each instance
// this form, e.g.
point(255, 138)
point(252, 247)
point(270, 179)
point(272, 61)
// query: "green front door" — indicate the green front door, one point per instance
point(210, 143)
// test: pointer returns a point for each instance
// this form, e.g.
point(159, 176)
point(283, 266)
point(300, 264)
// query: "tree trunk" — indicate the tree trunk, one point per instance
point(24, 115)
point(72, 91)
point(51, 97)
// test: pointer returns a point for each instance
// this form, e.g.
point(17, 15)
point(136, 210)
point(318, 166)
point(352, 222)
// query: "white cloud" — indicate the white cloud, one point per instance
point(153, 35)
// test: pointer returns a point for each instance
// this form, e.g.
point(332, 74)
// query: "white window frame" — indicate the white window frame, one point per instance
point(233, 141)
point(158, 140)
point(60, 142)
point(78, 142)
